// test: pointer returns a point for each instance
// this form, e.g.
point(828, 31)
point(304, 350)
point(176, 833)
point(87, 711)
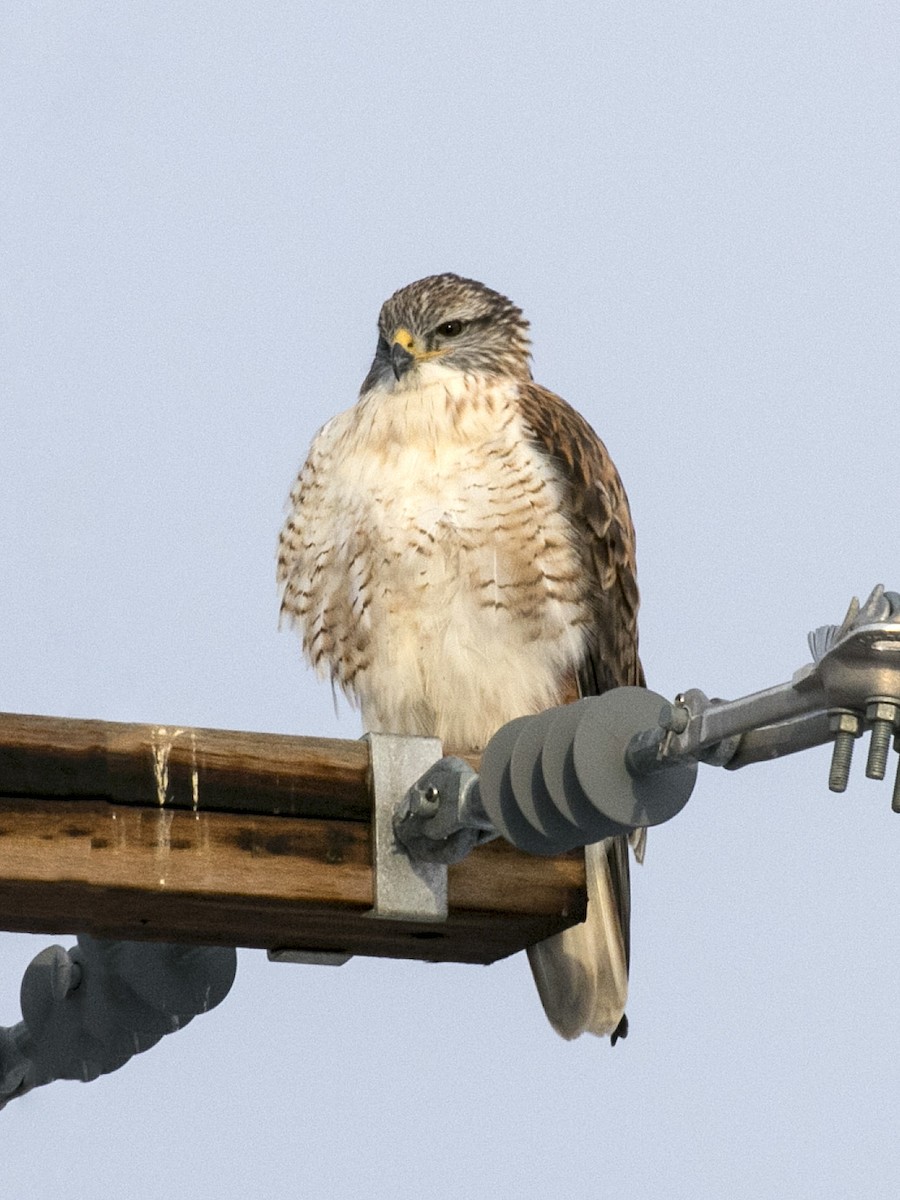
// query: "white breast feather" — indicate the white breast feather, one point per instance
point(428, 564)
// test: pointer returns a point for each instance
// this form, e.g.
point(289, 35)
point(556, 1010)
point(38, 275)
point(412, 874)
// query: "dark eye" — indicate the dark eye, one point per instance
point(450, 329)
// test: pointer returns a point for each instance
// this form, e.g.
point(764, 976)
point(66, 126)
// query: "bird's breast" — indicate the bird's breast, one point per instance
point(433, 569)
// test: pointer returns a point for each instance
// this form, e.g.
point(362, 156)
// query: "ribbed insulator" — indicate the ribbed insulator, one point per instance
point(559, 779)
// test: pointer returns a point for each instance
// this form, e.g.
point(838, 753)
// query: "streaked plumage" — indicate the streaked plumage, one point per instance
point(459, 552)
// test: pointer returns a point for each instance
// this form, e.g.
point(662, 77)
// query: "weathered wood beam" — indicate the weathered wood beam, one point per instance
point(212, 837)
point(173, 766)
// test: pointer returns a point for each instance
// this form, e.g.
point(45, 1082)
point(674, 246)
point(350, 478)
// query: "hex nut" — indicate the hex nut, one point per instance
point(844, 722)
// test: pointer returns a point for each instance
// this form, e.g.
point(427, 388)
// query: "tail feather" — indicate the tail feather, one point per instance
point(582, 973)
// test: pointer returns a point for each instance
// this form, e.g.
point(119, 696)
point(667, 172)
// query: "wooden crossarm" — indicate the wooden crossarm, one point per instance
point(218, 837)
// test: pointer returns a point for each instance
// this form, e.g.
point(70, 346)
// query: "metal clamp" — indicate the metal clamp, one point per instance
point(404, 887)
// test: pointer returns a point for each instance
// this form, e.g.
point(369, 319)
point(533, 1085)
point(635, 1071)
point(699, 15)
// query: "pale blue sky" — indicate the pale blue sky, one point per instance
point(202, 206)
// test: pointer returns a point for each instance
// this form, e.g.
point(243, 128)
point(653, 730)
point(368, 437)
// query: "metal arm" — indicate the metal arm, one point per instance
point(853, 683)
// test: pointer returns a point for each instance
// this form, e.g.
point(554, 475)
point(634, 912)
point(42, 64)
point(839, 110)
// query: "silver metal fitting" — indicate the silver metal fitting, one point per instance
point(852, 683)
point(846, 727)
point(404, 889)
point(883, 716)
point(441, 819)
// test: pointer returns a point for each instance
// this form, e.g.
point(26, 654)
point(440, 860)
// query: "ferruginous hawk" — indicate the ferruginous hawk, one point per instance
point(459, 552)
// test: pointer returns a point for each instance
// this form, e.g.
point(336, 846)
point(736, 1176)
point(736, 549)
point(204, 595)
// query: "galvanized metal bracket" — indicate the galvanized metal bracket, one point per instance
point(404, 888)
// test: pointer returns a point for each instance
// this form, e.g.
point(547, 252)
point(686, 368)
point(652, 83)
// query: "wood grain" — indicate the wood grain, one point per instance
point(245, 879)
point(183, 767)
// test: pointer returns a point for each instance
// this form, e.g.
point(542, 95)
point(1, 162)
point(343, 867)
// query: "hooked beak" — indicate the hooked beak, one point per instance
point(403, 352)
point(401, 359)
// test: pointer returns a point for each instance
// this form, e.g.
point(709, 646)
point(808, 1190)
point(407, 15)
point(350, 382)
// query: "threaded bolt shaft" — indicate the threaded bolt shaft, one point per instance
point(880, 743)
point(883, 717)
point(841, 758)
point(895, 799)
point(845, 726)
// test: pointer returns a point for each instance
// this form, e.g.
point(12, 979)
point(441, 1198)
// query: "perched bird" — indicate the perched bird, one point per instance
point(459, 552)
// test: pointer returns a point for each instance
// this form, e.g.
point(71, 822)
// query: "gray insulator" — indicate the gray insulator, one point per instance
point(559, 779)
point(87, 1010)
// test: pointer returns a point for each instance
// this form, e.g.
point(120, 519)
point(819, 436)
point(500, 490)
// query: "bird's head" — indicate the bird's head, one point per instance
point(454, 323)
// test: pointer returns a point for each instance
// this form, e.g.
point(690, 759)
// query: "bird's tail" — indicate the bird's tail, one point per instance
point(582, 972)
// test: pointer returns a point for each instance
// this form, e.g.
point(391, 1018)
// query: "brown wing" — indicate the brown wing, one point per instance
point(604, 534)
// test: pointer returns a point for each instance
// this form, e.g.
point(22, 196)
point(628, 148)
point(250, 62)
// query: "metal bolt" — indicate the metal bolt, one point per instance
point(895, 799)
point(882, 715)
point(425, 802)
point(675, 717)
point(846, 729)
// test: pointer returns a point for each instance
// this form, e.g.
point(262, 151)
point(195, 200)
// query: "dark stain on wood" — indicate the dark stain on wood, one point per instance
point(337, 845)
